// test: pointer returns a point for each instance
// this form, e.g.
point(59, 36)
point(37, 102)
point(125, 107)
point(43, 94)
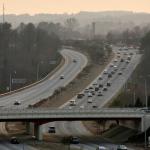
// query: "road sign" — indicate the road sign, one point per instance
point(18, 81)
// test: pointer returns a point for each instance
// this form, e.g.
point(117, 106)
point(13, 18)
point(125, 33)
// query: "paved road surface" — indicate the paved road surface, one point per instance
point(45, 89)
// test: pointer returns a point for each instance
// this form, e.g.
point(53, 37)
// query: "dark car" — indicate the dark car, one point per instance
point(100, 85)
point(96, 88)
point(51, 130)
point(109, 75)
point(108, 84)
point(17, 102)
point(74, 140)
point(14, 140)
point(80, 95)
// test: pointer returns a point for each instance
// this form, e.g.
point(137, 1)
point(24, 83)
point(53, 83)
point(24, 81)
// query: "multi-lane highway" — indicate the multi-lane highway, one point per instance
point(69, 70)
point(74, 63)
point(46, 88)
point(123, 71)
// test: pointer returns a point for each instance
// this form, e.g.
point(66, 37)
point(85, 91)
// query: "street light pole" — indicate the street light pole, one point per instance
point(10, 82)
point(145, 134)
point(146, 99)
point(37, 72)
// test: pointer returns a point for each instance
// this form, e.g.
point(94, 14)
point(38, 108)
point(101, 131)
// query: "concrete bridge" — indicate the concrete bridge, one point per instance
point(39, 116)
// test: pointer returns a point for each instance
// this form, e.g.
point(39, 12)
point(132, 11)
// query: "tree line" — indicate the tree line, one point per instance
point(24, 51)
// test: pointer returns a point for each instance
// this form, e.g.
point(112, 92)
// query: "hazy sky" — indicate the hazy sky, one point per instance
point(72, 6)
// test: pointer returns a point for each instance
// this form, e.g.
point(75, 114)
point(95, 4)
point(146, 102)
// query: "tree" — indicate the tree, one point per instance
point(138, 102)
point(71, 23)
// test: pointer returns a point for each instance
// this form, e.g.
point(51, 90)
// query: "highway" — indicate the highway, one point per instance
point(70, 70)
point(43, 90)
point(117, 82)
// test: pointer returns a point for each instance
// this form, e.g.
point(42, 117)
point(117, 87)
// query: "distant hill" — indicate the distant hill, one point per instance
point(107, 19)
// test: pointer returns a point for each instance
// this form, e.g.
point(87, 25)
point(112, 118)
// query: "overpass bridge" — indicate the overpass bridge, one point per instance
point(28, 114)
point(40, 116)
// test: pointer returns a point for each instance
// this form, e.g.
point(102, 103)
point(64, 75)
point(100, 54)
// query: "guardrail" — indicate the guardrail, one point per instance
point(39, 113)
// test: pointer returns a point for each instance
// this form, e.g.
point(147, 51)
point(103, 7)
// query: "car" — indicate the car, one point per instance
point(108, 84)
point(127, 61)
point(96, 88)
point(90, 100)
point(90, 94)
point(95, 83)
point(120, 73)
point(109, 75)
point(100, 78)
point(51, 129)
point(17, 102)
point(111, 65)
point(118, 56)
point(62, 77)
point(122, 60)
point(105, 89)
point(72, 102)
point(100, 85)
point(131, 53)
point(14, 140)
point(94, 106)
point(82, 107)
point(115, 60)
point(74, 140)
point(112, 72)
point(74, 60)
point(105, 71)
point(80, 95)
point(100, 94)
point(129, 58)
point(101, 148)
point(122, 147)
point(90, 87)
point(86, 90)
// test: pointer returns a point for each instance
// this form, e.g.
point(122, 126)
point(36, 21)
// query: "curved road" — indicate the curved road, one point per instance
point(42, 90)
point(36, 93)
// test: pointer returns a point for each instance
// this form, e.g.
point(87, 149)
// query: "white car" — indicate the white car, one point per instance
point(101, 148)
point(17, 102)
point(82, 106)
point(72, 102)
point(62, 77)
point(89, 94)
point(115, 60)
point(90, 100)
point(105, 71)
point(122, 147)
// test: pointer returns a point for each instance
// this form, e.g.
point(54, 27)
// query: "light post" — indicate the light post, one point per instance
point(145, 133)
point(10, 80)
point(38, 70)
point(145, 89)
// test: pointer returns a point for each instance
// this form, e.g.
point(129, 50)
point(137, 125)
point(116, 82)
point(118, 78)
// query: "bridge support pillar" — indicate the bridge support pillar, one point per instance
point(30, 128)
point(38, 132)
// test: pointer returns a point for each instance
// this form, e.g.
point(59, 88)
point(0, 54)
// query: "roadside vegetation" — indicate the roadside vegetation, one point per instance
point(25, 52)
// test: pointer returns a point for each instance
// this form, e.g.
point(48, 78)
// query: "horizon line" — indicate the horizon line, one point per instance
point(74, 13)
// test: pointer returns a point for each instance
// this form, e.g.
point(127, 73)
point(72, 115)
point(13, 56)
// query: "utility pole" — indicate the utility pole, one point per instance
point(3, 14)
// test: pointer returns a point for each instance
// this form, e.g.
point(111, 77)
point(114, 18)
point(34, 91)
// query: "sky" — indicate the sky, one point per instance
point(72, 6)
